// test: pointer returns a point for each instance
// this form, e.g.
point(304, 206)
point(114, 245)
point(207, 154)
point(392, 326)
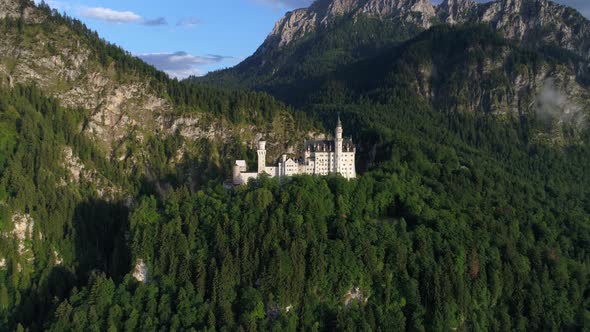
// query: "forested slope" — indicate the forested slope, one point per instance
point(459, 223)
point(447, 231)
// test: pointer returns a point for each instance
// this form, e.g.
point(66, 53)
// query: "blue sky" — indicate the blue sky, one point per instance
point(192, 37)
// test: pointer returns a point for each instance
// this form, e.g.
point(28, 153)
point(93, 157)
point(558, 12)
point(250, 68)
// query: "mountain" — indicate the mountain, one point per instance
point(525, 20)
point(493, 76)
point(307, 50)
point(114, 215)
point(324, 13)
point(128, 100)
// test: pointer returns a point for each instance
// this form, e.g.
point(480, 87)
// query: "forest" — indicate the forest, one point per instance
point(460, 226)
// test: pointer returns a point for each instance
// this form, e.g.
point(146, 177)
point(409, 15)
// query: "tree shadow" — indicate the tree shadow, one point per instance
point(39, 303)
point(101, 231)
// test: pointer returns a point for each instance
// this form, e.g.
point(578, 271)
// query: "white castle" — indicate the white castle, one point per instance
point(319, 158)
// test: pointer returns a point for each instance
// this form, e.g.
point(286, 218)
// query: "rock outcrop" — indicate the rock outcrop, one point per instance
point(23, 231)
point(16, 9)
point(455, 11)
point(140, 271)
point(355, 295)
point(57, 259)
point(80, 174)
point(538, 21)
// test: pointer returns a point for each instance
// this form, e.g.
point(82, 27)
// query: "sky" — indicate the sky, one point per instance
point(192, 37)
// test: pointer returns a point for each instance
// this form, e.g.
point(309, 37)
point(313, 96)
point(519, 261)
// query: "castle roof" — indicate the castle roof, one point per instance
point(319, 146)
point(328, 146)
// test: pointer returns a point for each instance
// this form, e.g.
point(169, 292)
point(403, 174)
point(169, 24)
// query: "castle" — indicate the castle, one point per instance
point(319, 158)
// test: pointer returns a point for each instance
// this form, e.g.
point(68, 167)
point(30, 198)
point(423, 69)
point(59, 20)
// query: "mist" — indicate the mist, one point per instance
point(553, 105)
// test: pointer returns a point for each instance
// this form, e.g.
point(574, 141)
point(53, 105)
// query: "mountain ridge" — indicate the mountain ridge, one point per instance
point(550, 43)
point(129, 100)
point(516, 18)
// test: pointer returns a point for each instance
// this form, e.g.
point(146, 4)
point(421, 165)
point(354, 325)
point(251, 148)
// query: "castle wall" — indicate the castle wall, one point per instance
point(347, 165)
point(324, 163)
point(271, 171)
point(245, 177)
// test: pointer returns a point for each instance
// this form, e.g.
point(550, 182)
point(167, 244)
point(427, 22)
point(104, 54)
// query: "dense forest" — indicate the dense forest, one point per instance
point(457, 223)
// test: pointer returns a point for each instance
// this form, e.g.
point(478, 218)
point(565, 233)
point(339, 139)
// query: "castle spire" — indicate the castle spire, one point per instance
point(339, 125)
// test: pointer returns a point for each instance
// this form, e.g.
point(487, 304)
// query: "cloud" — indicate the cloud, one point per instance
point(290, 4)
point(189, 22)
point(155, 22)
point(181, 64)
point(110, 15)
point(115, 16)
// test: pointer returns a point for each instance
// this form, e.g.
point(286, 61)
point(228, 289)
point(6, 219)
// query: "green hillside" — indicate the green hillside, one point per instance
point(439, 235)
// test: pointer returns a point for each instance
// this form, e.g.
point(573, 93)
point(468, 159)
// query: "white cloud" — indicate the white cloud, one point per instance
point(115, 16)
point(110, 15)
point(181, 64)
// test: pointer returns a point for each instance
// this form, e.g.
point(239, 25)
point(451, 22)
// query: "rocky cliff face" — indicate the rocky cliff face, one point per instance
point(536, 21)
point(60, 62)
point(20, 9)
point(453, 11)
point(526, 20)
point(298, 23)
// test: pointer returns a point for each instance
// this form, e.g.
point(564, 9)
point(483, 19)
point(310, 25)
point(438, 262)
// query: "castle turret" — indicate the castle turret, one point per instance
point(261, 156)
point(338, 146)
point(236, 175)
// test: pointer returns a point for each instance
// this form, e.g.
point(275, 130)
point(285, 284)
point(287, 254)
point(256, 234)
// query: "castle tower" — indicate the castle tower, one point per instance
point(236, 175)
point(261, 156)
point(338, 146)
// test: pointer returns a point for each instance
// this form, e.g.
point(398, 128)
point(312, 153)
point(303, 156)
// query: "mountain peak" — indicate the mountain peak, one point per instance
point(453, 11)
point(516, 19)
point(321, 13)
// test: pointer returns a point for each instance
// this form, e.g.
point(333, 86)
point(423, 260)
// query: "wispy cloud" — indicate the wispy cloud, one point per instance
point(181, 64)
point(115, 16)
point(286, 4)
point(189, 22)
point(155, 22)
